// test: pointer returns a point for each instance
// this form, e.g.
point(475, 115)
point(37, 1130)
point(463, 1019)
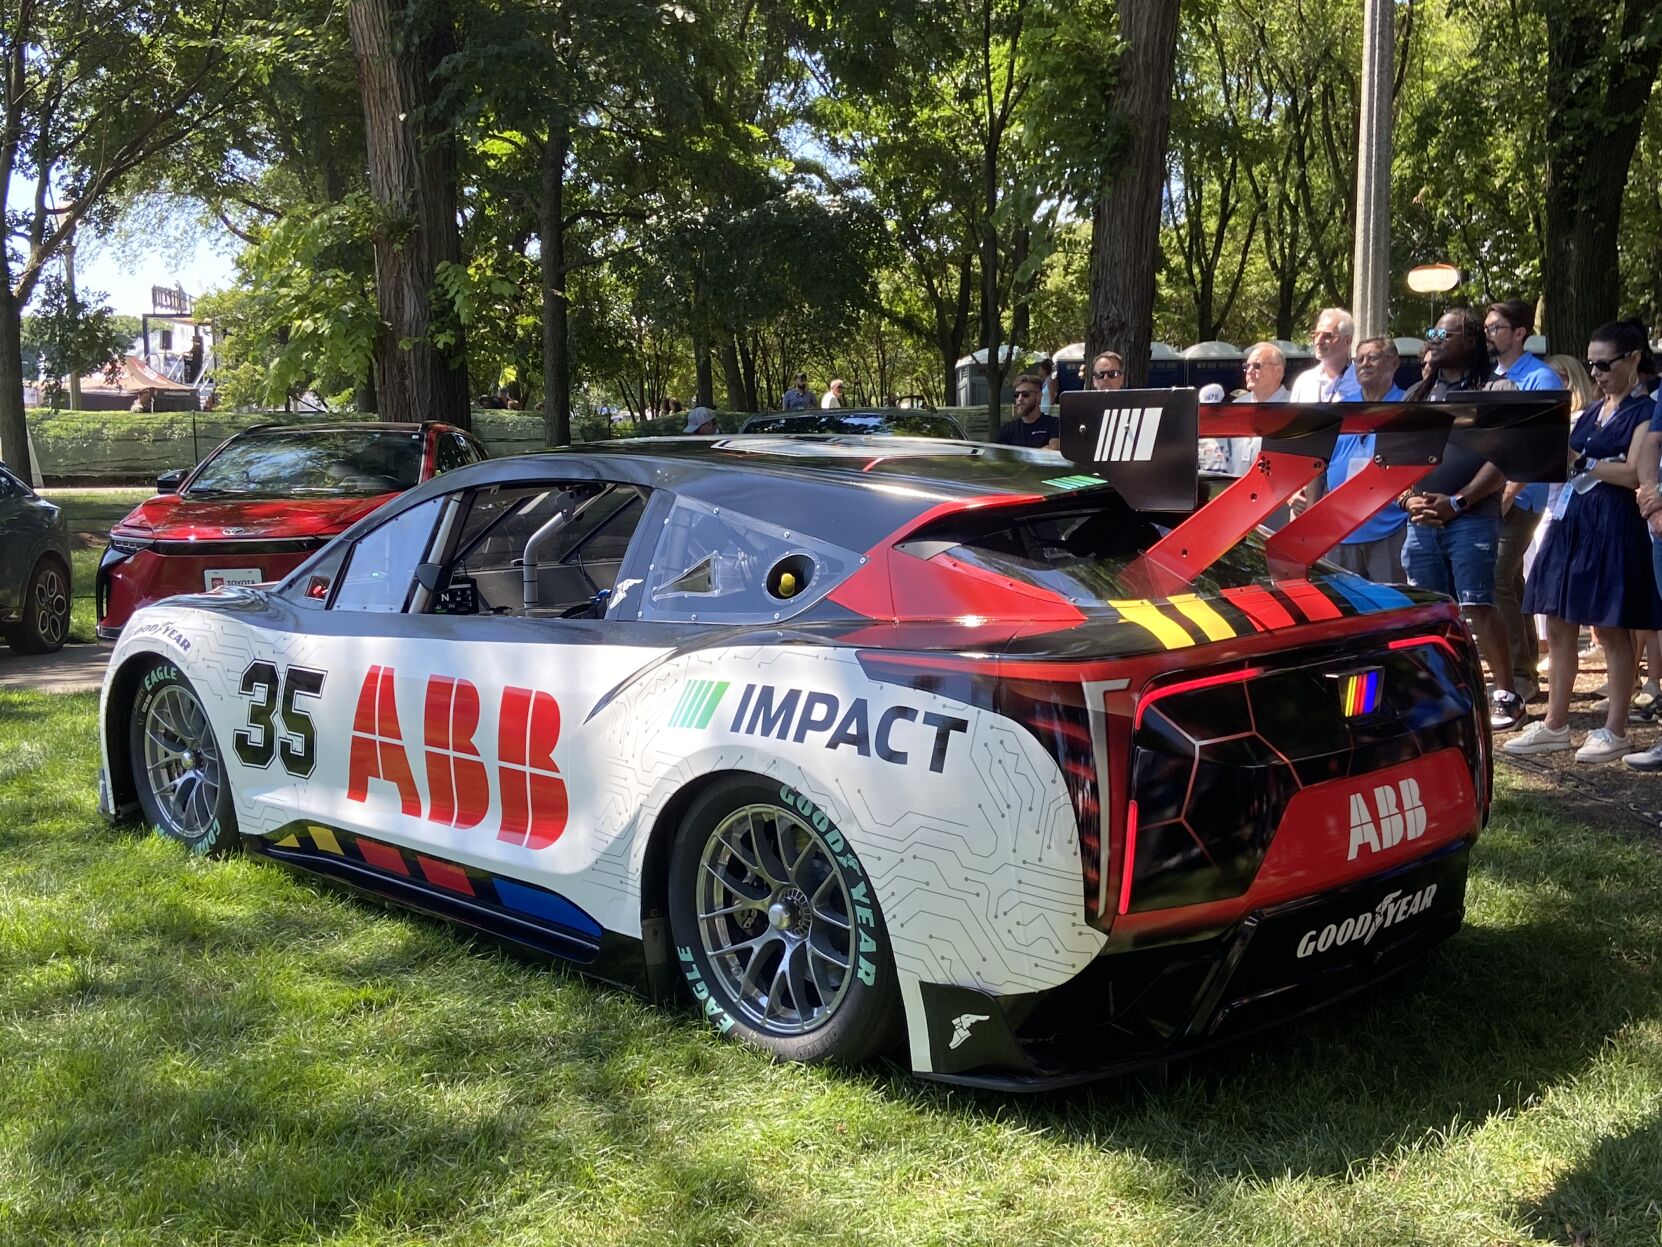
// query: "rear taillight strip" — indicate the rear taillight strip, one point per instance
point(1130, 855)
point(1189, 686)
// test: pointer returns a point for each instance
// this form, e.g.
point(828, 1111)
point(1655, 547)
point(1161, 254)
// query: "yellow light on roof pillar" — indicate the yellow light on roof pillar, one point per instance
point(1433, 278)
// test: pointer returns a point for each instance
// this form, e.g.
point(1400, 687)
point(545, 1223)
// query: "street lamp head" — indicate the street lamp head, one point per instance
point(1433, 278)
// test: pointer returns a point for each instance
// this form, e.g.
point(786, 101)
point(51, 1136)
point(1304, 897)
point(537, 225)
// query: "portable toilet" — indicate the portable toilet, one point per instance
point(1070, 366)
point(1214, 363)
point(971, 373)
point(1165, 367)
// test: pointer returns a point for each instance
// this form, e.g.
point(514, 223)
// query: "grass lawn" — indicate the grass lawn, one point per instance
point(221, 1052)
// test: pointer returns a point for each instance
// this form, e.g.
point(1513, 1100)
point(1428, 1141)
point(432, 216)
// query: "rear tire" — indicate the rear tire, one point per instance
point(777, 928)
point(177, 767)
point(43, 623)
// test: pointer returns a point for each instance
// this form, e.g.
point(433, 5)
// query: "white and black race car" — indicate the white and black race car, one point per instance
point(859, 741)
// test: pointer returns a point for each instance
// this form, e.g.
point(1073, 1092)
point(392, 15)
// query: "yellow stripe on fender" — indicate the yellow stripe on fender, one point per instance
point(325, 840)
point(1166, 631)
point(288, 842)
point(1199, 611)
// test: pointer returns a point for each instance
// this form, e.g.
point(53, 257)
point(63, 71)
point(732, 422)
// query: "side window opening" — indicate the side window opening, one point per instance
point(715, 564)
point(380, 568)
point(575, 564)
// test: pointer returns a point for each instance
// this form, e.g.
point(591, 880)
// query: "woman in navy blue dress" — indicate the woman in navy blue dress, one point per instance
point(1595, 565)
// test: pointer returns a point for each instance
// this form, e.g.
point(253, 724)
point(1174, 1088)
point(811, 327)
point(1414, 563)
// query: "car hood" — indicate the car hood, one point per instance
point(175, 518)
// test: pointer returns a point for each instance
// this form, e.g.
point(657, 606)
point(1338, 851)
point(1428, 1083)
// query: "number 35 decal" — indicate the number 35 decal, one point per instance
point(260, 741)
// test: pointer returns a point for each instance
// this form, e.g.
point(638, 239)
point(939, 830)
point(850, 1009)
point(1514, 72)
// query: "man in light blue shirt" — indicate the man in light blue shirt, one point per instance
point(1373, 551)
point(1507, 326)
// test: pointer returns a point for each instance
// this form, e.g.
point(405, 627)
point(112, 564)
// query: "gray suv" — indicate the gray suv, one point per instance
point(35, 583)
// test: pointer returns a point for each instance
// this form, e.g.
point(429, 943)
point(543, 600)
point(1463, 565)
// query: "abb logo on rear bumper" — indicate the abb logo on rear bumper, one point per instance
point(1355, 825)
point(1400, 816)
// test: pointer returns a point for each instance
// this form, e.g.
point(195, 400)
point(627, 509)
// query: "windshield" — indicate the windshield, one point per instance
point(334, 462)
point(895, 425)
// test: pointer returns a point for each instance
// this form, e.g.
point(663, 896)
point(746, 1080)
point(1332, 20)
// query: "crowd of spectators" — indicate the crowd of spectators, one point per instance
point(1587, 554)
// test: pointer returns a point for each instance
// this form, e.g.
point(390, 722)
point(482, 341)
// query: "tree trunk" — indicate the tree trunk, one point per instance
point(1587, 167)
point(556, 308)
point(412, 177)
point(1125, 220)
point(704, 382)
point(1021, 297)
point(991, 323)
point(949, 334)
point(732, 376)
point(747, 370)
point(14, 426)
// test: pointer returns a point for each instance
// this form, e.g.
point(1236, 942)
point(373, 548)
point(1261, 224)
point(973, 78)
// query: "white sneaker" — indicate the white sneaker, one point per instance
point(1539, 738)
point(1603, 745)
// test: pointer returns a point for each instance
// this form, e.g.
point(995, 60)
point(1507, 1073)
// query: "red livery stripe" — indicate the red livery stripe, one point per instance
point(1258, 605)
point(445, 875)
point(1312, 601)
point(382, 855)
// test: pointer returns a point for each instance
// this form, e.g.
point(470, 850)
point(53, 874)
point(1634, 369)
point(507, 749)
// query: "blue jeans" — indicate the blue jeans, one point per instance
point(1457, 559)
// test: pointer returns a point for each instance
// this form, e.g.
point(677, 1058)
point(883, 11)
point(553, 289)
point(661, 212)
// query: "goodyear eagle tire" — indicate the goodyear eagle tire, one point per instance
point(776, 926)
point(178, 769)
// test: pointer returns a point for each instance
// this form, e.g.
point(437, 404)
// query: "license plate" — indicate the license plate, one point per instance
point(219, 577)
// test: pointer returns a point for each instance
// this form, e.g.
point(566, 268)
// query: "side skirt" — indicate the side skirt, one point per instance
point(523, 916)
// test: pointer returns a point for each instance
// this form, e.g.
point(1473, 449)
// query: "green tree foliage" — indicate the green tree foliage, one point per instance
point(693, 200)
point(72, 336)
point(302, 320)
point(93, 95)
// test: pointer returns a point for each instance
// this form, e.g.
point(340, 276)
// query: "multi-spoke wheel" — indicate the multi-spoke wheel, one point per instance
point(776, 927)
point(177, 766)
point(43, 614)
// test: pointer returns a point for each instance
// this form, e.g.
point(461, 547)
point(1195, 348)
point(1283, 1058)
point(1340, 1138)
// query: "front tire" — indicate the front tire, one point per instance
point(177, 767)
point(777, 928)
point(43, 623)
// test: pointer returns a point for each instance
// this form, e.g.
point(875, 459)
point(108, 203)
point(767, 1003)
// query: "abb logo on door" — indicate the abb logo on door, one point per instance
point(533, 803)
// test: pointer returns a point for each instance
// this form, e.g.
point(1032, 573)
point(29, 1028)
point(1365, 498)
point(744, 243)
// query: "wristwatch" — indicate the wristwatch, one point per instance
point(1457, 503)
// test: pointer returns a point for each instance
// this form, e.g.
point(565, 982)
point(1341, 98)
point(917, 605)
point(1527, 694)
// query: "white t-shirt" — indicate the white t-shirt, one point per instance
point(1313, 385)
point(830, 400)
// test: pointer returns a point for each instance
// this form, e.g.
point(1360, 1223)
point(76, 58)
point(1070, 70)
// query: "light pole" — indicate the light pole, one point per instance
point(1371, 273)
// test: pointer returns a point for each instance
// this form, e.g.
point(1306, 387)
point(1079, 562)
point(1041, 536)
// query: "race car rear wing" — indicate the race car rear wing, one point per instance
point(1144, 444)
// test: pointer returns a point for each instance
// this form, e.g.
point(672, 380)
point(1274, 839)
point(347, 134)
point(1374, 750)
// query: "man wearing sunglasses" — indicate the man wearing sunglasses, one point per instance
point(1454, 513)
point(1506, 327)
point(1030, 427)
point(1331, 379)
point(1264, 368)
point(1108, 372)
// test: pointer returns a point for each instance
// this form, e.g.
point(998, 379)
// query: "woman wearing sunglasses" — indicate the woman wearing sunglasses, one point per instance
point(1595, 563)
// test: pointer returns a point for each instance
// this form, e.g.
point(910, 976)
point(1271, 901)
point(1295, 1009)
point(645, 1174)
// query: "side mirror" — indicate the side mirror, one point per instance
point(169, 482)
point(432, 577)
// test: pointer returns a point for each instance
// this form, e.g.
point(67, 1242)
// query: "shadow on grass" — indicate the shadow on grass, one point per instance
point(1606, 1200)
point(1511, 1007)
